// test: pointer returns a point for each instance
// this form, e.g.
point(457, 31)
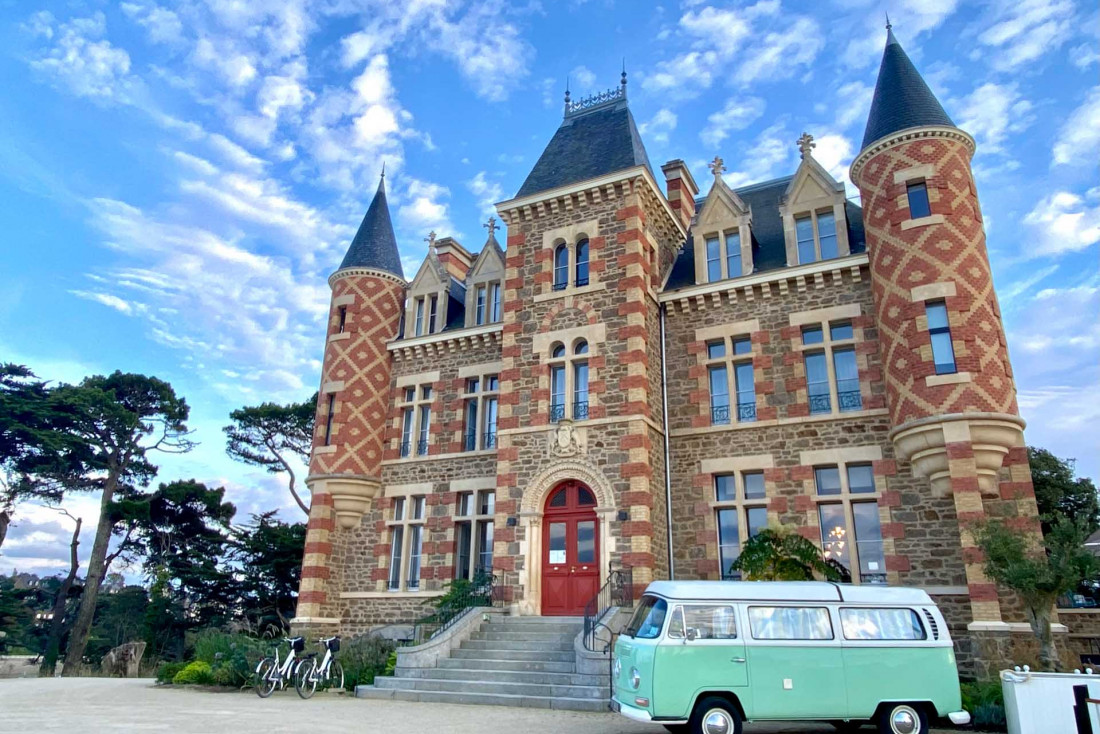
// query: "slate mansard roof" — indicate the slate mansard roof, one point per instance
point(375, 245)
point(588, 144)
point(769, 246)
point(902, 98)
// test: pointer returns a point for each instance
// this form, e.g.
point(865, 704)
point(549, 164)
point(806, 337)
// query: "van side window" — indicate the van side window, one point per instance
point(881, 624)
point(790, 623)
point(676, 624)
point(710, 621)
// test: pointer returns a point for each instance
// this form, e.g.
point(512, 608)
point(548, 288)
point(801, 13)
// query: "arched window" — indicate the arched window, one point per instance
point(558, 351)
point(561, 267)
point(582, 263)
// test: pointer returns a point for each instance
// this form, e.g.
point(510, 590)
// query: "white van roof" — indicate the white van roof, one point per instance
point(788, 591)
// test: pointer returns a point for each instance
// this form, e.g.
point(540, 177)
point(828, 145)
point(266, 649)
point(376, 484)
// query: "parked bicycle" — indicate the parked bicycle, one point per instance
point(271, 673)
point(328, 674)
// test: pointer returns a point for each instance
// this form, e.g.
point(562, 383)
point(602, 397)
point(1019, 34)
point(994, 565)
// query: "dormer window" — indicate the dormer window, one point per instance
point(917, 193)
point(733, 254)
point(714, 259)
point(494, 300)
point(433, 312)
point(816, 236)
point(479, 307)
point(418, 330)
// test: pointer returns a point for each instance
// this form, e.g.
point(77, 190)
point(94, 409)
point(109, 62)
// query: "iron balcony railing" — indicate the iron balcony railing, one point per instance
point(470, 442)
point(422, 447)
point(617, 591)
point(561, 286)
point(848, 396)
point(582, 280)
point(746, 412)
point(820, 403)
point(557, 412)
point(489, 440)
point(406, 447)
point(719, 415)
point(580, 410)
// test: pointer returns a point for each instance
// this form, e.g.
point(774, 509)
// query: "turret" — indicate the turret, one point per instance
point(949, 385)
point(368, 295)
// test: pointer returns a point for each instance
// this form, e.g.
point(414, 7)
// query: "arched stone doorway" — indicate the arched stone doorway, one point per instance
point(571, 553)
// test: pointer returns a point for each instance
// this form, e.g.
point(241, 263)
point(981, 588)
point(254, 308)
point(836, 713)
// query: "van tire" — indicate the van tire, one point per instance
point(916, 713)
point(722, 709)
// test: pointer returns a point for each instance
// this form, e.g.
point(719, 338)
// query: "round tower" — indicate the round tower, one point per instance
point(949, 385)
point(368, 296)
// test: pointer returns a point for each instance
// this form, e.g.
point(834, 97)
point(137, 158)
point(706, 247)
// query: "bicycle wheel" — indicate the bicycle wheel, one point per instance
point(265, 678)
point(305, 682)
point(336, 676)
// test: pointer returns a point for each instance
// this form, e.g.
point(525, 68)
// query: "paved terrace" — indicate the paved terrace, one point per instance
point(93, 705)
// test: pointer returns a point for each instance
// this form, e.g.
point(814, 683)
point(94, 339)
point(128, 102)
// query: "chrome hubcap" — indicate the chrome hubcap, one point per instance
point(717, 721)
point(904, 720)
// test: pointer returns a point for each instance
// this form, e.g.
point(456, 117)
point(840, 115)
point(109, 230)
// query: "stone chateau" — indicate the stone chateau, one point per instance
point(648, 371)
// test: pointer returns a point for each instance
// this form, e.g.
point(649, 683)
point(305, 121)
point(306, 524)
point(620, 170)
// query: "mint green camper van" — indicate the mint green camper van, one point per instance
point(703, 656)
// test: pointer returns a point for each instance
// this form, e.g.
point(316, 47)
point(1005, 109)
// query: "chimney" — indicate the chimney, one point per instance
point(454, 257)
point(681, 188)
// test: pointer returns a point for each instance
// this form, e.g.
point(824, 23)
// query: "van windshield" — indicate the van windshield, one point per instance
point(648, 619)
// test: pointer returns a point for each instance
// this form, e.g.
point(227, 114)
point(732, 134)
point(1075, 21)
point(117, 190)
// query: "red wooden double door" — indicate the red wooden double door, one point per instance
point(570, 550)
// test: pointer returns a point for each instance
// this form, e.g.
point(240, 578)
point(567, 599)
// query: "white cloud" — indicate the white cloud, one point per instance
point(118, 304)
point(834, 153)
point(489, 51)
point(765, 157)
point(425, 209)
point(781, 54)
point(865, 36)
point(1085, 55)
point(993, 111)
point(737, 114)
point(161, 24)
point(853, 104)
point(221, 57)
point(1064, 222)
point(1021, 31)
point(487, 192)
point(584, 78)
point(659, 126)
point(1079, 139)
point(81, 59)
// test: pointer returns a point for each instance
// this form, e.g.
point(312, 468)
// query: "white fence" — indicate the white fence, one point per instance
point(1042, 703)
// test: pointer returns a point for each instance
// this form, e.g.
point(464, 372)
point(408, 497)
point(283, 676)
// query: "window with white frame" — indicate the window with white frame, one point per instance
point(474, 516)
point(479, 305)
point(916, 193)
point(731, 357)
point(406, 542)
point(943, 350)
point(815, 236)
point(433, 315)
point(480, 425)
point(569, 381)
point(832, 373)
point(494, 302)
point(581, 266)
point(418, 328)
point(416, 420)
point(571, 264)
point(848, 514)
point(723, 250)
point(741, 511)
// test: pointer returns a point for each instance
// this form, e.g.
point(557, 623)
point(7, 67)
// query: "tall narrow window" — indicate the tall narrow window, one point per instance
point(484, 548)
point(847, 379)
point(817, 383)
point(826, 235)
point(746, 392)
point(804, 234)
point(582, 263)
point(343, 319)
point(872, 560)
point(433, 313)
point(719, 396)
point(714, 259)
point(419, 330)
point(851, 534)
point(425, 423)
point(479, 306)
point(733, 254)
point(580, 382)
point(490, 441)
point(561, 267)
point(557, 393)
point(330, 415)
point(943, 351)
point(494, 291)
point(395, 557)
point(470, 442)
point(918, 200)
point(416, 543)
point(464, 544)
point(729, 542)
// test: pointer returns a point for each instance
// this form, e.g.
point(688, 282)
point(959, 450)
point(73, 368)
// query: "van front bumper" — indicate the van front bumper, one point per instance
point(631, 712)
point(959, 718)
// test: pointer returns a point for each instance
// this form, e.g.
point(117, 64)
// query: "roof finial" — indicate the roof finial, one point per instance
point(430, 239)
point(888, 26)
point(383, 170)
point(806, 144)
point(491, 225)
point(717, 166)
point(622, 84)
point(567, 103)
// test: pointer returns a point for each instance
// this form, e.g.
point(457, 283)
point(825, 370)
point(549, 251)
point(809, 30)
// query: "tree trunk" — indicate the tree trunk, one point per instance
point(1038, 616)
point(57, 624)
point(5, 518)
point(97, 569)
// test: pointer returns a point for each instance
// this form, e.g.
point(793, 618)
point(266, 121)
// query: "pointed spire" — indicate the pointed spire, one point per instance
point(375, 245)
point(902, 98)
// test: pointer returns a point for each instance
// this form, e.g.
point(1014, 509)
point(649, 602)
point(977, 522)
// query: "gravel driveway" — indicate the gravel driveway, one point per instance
point(93, 705)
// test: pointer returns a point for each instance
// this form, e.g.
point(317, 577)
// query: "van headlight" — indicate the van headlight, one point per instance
point(617, 667)
point(635, 678)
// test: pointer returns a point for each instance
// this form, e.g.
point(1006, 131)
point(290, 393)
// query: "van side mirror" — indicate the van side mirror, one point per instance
point(691, 633)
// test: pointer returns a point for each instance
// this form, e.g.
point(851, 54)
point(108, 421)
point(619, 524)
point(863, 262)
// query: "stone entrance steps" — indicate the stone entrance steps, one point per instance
point(510, 661)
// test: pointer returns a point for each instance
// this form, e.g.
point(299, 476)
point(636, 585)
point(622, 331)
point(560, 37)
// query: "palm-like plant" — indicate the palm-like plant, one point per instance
point(781, 554)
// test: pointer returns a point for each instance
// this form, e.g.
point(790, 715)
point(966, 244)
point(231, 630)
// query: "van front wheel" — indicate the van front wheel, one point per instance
point(714, 715)
point(902, 718)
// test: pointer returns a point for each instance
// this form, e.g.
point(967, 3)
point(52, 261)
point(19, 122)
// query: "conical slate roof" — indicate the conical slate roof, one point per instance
point(375, 245)
point(588, 144)
point(902, 99)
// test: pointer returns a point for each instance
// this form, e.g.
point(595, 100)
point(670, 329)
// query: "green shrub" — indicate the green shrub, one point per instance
point(986, 704)
point(224, 675)
point(365, 657)
point(234, 653)
point(391, 664)
point(167, 671)
point(196, 673)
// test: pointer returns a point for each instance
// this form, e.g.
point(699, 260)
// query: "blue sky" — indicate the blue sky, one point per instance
point(178, 179)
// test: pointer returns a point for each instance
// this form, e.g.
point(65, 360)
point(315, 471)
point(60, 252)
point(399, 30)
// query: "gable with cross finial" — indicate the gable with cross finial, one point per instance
point(430, 239)
point(717, 166)
point(806, 144)
point(491, 225)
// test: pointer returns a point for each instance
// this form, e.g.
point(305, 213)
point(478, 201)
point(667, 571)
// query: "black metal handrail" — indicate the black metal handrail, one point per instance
point(470, 442)
point(561, 286)
point(406, 447)
point(720, 415)
point(557, 412)
point(461, 597)
point(746, 412)
point(490, 440)
point(582, 281)
point(820, 403)
point(617, 591)
point(850, 399)
point(580, 410)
